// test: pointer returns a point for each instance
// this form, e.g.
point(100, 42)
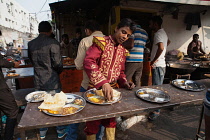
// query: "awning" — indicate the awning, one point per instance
point(194, 2)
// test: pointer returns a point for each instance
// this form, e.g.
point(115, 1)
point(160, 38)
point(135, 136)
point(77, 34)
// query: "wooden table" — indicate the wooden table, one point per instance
point(32, 118)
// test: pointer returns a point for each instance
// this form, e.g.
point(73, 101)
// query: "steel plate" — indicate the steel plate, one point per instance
point(71, 98)
point(153, 95)
point(33, 96)
point(104, 103)
point(188, 85)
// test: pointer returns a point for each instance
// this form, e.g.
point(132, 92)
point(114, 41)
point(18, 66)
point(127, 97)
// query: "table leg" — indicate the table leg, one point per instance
point(200, 122)
point(37, 134)
point(23, 135)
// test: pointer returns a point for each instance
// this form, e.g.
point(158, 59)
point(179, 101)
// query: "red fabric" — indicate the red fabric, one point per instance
point(92, 127)
point(105, 64)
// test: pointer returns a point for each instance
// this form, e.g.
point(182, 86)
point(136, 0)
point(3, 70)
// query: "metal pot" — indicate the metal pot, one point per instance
point(180, 69)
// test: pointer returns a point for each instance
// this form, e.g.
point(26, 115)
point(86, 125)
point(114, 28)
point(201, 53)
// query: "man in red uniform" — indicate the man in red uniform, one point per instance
point(104, 64)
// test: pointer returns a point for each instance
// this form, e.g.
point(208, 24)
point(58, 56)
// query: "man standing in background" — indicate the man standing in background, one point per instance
point(66, 46)
point(92, 28)
point(158, 64)
point(44, 53)
point(134, 62)
point(8, 104)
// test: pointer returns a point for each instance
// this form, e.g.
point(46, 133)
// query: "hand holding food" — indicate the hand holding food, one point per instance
point(107, 91)
point(98, 97)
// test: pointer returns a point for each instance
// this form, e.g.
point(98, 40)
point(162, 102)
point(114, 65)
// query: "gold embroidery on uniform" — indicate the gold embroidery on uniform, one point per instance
point(100, 41)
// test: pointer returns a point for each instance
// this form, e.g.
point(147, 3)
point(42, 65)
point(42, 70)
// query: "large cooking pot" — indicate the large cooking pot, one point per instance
point(180, 69)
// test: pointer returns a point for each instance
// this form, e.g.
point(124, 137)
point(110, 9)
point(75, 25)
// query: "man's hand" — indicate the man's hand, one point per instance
point(129, 85)
point(152, 63)
point(17, 64)
point(107, 91)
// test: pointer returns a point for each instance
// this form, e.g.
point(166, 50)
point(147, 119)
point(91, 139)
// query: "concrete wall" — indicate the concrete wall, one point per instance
point(14, 16)
point(176, 28)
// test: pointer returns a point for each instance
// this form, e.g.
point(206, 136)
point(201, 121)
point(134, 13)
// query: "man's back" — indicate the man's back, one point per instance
point(160, 37)
point(140, 37)
point(44, 53)
point(83, 47)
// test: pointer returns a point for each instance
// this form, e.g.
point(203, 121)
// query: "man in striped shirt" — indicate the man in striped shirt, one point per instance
point(134, 62)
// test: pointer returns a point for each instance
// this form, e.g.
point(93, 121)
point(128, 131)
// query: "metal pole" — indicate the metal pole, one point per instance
point(200, 122)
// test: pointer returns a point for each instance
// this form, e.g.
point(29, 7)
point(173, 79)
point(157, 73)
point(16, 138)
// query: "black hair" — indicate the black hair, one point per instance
point(44, 26)
point(92, 25)
point(64, 36)
point(195, 35)
point(157, 19)
point(126, 22)
point(78, 30)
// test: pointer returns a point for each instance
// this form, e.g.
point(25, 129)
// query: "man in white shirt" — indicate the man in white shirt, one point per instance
point(158, 64)
point(92, 28)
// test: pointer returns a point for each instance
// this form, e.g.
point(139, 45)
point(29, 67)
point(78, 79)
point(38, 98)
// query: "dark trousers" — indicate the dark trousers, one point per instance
point(9, 107)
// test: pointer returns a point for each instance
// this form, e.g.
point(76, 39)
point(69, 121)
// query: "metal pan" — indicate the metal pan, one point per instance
point(188, 85)
point(153, 95)
point(103, 102)
point(70, 103)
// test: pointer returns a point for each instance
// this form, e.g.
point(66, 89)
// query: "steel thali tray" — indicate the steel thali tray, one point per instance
point(36, 96)
point(70, 103)
point(92, 91)
point(153, 95)
point(189, 85)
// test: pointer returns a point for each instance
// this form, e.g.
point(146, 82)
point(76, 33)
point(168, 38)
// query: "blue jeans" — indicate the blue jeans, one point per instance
point(59, 129)
point(158, 74)
point(72, 132)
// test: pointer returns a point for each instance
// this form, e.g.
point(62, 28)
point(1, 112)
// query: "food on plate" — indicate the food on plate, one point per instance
point(99, 92)
point(70, 99)
point(184, 87)
point(54, 103)
point(78, 101)
point(89, 94)
point(68, 110)
point(157, 99)
point(141, 92)
point(38, 96)
point(115, 93)
point(12, 71)
point(13, 74)
point(144, 95)
point(68, 61)
point(97, 99)
point(182, 81)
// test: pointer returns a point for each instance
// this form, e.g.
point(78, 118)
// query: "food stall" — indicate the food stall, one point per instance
point(70, 77)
